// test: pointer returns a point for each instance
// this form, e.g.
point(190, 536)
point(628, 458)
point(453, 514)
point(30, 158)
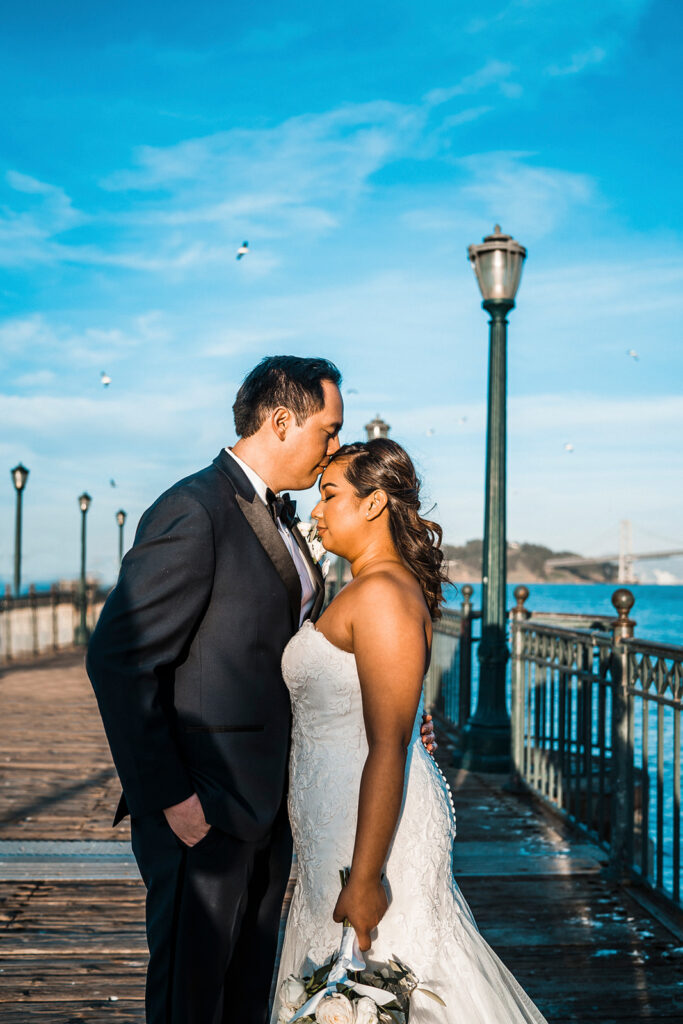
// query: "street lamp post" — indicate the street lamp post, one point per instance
point(121, 520)
point(81, 634)
point(19, 478)
point(497, 262)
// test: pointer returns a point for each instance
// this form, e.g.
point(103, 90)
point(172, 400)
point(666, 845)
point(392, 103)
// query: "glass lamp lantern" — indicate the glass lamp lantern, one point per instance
point(498, 263)
point(377, 428)
point(19, 476)
point(120, 517)
point(84, 501)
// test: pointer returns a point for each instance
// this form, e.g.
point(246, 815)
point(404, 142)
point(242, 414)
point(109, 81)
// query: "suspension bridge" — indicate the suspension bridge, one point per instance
point(624, 558)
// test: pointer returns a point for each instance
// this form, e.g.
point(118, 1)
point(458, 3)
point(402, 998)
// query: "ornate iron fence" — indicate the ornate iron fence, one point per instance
point(595, 726)
point(596, 732)
point(448, 683)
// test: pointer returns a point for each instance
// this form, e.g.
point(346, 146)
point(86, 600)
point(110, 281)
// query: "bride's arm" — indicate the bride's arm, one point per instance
point(390, 647)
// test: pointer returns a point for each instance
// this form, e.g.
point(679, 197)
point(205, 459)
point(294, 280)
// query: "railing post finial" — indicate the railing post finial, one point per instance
point(521, 593)
point(467, 592)
point(623, 601)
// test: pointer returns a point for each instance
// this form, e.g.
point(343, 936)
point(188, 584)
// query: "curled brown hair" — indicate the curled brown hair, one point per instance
point(383, 465)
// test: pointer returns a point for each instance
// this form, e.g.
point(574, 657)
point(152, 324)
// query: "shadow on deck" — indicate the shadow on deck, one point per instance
point(71, 926)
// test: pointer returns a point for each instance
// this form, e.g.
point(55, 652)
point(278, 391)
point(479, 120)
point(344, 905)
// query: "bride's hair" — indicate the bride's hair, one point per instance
point(383, 465)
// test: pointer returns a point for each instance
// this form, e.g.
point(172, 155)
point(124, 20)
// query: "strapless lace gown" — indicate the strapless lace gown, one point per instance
point(428, 924)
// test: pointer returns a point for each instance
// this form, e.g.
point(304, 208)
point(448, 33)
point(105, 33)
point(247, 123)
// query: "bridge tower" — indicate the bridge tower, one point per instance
point(625, 570)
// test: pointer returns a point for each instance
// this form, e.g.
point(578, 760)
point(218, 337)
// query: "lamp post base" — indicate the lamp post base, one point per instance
point(81, 636)
point(484, 748)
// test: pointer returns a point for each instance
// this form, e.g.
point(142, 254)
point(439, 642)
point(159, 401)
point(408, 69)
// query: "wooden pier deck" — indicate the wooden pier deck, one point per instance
point(72, 945)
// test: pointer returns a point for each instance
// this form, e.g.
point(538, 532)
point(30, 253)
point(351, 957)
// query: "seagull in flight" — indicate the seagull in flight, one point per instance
point(243, 250)
point(431, 432)
point(105, 379)
point(112, 483)
point(569, 447)
point(633, 354)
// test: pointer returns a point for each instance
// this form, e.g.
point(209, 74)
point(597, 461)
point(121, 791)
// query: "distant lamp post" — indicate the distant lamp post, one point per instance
point(497, 262)
point(121, 520)
point(81, 634)
point(377, 428)
point(19, 478)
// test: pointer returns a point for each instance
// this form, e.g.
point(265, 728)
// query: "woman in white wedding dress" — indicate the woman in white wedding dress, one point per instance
point(364, 793)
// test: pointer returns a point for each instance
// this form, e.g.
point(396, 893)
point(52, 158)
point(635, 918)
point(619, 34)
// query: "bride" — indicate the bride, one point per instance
point(364, 793)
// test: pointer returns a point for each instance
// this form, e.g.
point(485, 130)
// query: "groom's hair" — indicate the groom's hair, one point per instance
point(290, 381)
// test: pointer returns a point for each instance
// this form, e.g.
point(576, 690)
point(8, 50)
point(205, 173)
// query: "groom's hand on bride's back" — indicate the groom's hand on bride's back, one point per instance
point(187, 820)
point(428, 734)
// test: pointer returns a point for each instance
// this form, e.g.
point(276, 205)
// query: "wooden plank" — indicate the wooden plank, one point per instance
point(75, 950)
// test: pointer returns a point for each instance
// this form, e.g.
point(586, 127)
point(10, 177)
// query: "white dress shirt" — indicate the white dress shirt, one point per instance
point(302, 567)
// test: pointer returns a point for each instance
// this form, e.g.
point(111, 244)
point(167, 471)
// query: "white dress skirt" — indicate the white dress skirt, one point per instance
point(428, 925)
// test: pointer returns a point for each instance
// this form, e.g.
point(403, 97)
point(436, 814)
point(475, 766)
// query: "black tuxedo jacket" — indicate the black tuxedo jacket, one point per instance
point(185, 658)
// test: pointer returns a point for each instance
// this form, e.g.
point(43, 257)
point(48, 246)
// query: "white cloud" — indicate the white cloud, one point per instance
point(580, 61)
point(230, 342)
point(494, 72)
point(535, 199)
point(36, 379)
point(26, 236)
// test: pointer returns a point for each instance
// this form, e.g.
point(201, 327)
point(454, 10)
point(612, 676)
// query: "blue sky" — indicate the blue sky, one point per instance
point(359, 148)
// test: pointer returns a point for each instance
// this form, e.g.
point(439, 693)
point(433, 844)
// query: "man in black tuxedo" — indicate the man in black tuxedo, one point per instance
point(185, 664)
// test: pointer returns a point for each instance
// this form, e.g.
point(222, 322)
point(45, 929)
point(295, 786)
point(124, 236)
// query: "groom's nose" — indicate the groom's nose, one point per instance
point(333, 445)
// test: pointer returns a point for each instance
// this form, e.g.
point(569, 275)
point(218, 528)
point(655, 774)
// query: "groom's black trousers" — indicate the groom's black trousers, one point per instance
point(213, 914)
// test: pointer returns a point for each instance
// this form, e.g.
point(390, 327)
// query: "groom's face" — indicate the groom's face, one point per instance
point(309, 446)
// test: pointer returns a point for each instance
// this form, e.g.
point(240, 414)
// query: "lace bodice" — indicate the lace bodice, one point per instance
point(428, 918)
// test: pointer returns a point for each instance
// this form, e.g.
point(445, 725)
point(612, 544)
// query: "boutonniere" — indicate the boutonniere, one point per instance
point(309, 532)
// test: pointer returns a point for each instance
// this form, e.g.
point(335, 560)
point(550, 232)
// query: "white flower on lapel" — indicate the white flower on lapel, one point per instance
point(309, 532)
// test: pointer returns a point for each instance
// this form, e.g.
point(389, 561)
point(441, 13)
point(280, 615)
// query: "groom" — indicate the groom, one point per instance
point(185, 663)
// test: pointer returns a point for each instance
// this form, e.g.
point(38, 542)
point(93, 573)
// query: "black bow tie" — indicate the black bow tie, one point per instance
point(282, 508)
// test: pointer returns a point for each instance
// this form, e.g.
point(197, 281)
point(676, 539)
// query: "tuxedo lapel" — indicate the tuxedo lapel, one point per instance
point(318, 579)
point(259, 519)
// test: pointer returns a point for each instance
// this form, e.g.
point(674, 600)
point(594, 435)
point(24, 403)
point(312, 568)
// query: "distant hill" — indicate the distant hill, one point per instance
point(525, 564)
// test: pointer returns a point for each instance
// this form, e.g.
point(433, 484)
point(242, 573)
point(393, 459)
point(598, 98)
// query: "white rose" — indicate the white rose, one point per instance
point(292, 997)
point(366, 1011)
point(335, 1009)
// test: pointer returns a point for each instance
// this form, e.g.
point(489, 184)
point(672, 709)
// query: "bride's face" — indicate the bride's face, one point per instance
point(340, 513)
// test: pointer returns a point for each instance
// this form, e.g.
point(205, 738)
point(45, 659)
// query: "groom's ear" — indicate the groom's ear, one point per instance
point(280, 420)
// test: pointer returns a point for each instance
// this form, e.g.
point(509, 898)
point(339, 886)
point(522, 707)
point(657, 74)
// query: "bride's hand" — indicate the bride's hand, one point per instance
point(364, 904)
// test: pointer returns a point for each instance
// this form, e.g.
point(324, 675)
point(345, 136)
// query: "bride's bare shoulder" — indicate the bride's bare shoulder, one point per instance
point(391, 593)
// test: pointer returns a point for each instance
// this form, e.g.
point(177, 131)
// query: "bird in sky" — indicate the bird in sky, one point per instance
point(463, 419)
point(431, 432)
point(633, 354)
point(112, 483)
point(243, 250)
point(569, 447)
point(352, 391)
point(105, 379)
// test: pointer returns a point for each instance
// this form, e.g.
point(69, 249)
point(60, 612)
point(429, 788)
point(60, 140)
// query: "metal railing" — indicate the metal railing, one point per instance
point(448, 683)
point(595, 727)
point(43, 621)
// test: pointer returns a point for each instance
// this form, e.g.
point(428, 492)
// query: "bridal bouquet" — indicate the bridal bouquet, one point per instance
point(346, 991)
